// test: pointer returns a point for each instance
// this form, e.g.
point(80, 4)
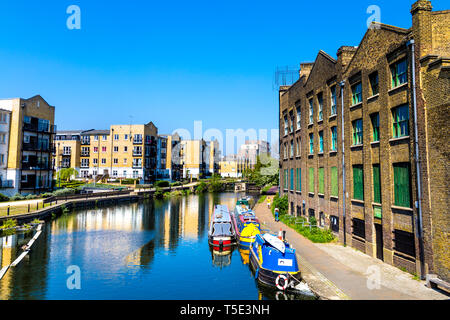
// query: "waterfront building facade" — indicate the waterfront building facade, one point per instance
point(252, 149)
point(123, 151)
point(382, 188)
point(26, 138)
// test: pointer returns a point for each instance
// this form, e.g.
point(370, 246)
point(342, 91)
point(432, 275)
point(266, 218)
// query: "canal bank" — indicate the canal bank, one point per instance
point(340, 273)
point(152, 249)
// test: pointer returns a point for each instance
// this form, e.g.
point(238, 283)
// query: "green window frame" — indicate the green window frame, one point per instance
point(321, 181)
point(299, 179)
point(334, 138)
point(320, 141)
point(374, 86)
point(357, 127)
point(285, 179)
point(292, 180)
point(375, 119)
point(402, 185)
point(334, 182)
point(399, 73)
point(311, 180)
point(358, 182)
point(376, 183)
point(311, 143)
point(356, 93)
point(400, 121)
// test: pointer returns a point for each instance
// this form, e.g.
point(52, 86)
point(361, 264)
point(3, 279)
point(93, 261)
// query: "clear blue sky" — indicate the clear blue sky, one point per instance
point(171, 62)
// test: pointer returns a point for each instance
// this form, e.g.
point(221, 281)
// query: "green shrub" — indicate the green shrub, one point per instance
point(262, 199)
point(201, 187)
point(46, 195)
point(31, 196)
point(10, 223)
point(216, 186)
point(64, 192)
point(162, 184)
point(3, 198)
point(159, 193)
point(266, 188)
point(17, 196)
point(314, 233)
point(129, 181)
point(176, 184)
point(281, 203)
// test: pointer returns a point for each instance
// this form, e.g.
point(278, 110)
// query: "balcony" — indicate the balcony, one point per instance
point(34, 165)
point(137, 141)
point(84, 165)
point(137, 153)
point(85, 141)
point(34, 127)
point(35, 146)
point(67, 153)
point(85, 154)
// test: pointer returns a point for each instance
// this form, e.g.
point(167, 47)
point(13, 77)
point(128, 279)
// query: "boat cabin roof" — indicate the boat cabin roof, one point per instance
point(221, 214)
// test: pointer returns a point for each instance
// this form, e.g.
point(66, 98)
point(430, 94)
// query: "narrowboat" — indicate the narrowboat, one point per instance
point(221, 234)
point(247, 226)
point(275, 264)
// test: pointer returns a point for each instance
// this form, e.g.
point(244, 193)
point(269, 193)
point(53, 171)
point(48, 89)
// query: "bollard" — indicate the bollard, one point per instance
point(28, 207)
point(8, 211)
point(37, 205)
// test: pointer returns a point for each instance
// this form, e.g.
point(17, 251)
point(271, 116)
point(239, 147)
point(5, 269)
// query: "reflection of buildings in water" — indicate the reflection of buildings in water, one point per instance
point(119, 218)
point(190, 208)
point(33, 268)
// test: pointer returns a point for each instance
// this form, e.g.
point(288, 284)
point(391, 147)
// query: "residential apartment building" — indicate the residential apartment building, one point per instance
point(199, 158)
point(67, 151)
point(5, 117)
point(363, 142)
point(123, 151)
point(251, 150)
point(26, 139)
point(173, 157)
point(162, 173)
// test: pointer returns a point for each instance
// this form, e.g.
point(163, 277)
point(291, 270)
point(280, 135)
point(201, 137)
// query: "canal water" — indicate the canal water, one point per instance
point(146, 250)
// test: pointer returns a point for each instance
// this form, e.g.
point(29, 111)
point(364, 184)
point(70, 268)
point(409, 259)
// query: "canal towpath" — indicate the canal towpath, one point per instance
point(342, 273)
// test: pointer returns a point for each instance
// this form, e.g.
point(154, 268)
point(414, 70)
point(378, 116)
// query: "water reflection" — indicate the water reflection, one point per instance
point(147, 250)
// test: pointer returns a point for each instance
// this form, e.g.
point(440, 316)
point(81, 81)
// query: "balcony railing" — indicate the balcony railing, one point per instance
point(85, 154)
point(137, 141)
point(84, 165)
point(34, 127)
point(34, 146)
point(137, 153)
point(85, 142)
point(35, 166)
point(137, 165)
point(6, 184)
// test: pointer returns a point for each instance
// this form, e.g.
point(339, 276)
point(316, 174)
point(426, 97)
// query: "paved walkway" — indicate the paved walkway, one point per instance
point(337, 272)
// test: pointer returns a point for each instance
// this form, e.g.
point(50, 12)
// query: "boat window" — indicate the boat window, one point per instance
point(222, 229)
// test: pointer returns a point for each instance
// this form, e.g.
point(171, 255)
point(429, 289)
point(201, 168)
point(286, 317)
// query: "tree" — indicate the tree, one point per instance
point(66, 173)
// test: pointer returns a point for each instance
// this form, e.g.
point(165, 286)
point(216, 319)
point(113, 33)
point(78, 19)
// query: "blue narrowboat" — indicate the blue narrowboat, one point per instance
point(274, 262)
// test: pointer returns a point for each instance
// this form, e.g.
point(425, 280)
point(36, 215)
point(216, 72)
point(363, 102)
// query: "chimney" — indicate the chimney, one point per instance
point(305, 69)
point(422, 26)
point(345, 55)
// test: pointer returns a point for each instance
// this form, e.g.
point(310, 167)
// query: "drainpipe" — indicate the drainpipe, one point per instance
point(342, 85)
point(418, 204)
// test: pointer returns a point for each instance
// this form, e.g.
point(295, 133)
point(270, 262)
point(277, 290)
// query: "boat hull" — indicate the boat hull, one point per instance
point(221, 243)
point(269, 277)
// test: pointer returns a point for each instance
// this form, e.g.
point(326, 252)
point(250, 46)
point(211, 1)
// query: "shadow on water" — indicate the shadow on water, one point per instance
point(147, 250)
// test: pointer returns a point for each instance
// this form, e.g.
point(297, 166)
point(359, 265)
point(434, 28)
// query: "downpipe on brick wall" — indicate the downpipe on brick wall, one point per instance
point(342, 85)
point(411, 44)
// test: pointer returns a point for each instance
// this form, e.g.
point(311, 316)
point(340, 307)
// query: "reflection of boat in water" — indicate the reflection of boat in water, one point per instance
point(221, 258)
point(245, 223)
point(275, 264)
point(221, 233)
point(244, 255)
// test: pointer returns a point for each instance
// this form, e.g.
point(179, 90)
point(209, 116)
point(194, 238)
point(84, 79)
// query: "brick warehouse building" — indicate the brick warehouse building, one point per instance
point(395, 142)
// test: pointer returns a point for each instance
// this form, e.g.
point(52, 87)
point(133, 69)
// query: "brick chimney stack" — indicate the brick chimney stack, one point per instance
point(345, 55)
point(305, 69)
point(421, 26)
